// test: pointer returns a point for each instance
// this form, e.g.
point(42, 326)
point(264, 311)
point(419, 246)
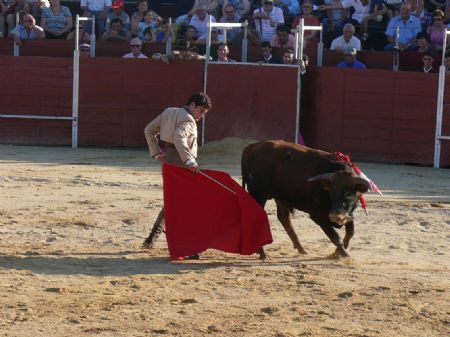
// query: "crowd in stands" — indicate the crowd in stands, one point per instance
point(348, 26)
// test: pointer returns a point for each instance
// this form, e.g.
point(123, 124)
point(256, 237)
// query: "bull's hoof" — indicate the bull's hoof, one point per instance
point(338, 253)
point(302, 251)
point(264, 257)
point(147, 245)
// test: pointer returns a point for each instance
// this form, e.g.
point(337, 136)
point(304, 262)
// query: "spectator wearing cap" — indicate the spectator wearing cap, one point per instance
point(409, 27)
point(83, 36)
point(422, 43)
point(283, 38)
point(200, 19)
point(347, 39)
point(138, 16)
point(350, 60)
point(116, 33)
point(267, 18)
point(56, 20)
point(136, 47)
point(428, 60)
point(241, 7)
point(117, 12)
point(266, 53)
point(85, 50)
point(27, 30)
point(100, 10)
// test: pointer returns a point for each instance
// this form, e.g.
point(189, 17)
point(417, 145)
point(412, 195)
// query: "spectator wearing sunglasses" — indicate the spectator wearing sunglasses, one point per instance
point(27, 30)
point(136, 46)
point(83, 36)
point(436, 30)
point(85, 50)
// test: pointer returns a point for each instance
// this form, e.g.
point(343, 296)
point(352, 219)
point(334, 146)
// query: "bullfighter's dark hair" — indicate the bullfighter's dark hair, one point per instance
point(200, 99)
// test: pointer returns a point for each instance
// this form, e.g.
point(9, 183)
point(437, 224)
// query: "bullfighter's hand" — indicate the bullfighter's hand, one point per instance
point(193, 167)
point(161, 157)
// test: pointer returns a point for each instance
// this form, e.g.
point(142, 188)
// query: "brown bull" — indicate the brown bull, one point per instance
point(309, 180)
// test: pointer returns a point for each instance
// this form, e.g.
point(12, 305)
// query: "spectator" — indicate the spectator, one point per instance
point(138, 16)
point(98, 9)
point(348, 39)
point(447, 61)
point(230, 16)
point(136, 46)
point(266, 53)
point(200, 19)
point(417, 9)
point(36, 7)
point(350, 60)
point(240, 7)
point(432, 5)
point(253, 36)
point(149, 35)
point(436, 30)
point(85, 50)
point(409, 27)
point(428, 60)
point(284, 38)
point(191, 35)
point(149, 22)
point(332, 23)
point(117, 12)
point(288, 56)
point(183, 51)
point(27, 30)
point(216, 38)
point(267, 18)
point(9, 9)
point(165, 32)
point(423, 43)
point(56, 20)
point(83, 36)
point(116, 32)
point(222, 53)
point(290, 9)
point(211, 7)
point(310, 36)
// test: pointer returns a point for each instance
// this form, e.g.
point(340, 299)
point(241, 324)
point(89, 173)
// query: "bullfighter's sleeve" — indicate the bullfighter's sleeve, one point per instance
point(151, 132)
point(184, 131)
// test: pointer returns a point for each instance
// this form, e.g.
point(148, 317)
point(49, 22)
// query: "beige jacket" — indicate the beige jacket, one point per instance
point(176, 126)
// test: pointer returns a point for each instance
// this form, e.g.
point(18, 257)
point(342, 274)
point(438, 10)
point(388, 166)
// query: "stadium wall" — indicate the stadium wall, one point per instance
point(374, 115)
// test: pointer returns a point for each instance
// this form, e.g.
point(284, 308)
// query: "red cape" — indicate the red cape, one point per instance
point(200, 214)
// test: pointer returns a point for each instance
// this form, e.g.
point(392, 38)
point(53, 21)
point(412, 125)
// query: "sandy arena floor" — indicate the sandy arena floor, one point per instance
point(71, 263)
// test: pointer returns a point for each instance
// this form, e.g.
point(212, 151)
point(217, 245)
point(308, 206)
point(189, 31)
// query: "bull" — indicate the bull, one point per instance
point(309, 180)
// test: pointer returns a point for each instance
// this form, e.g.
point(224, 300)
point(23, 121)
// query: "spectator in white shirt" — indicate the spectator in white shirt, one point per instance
point(200, 19)
point(99, 9)
point(136, 46)
point(347, 39)
point(267, 18)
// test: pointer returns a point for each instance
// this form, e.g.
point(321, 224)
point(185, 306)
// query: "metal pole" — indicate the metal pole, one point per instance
point(76, 83)
point(16, 48)
point(208, 53)
point(320, 48)
point(93, 37)
point(245, 43)
point(297, 115)
point(169, 39)
point(440, 103)
point(396, 60)
point(301, 36)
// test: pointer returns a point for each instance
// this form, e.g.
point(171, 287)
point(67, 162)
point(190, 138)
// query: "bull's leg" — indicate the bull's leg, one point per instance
point(327, 227)
point(156, 231)
point(349, 231)
point(260, 199)
point(284, 216)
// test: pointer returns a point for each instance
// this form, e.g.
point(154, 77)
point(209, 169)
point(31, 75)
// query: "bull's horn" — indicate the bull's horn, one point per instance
point(363, 182)
point(324, 176)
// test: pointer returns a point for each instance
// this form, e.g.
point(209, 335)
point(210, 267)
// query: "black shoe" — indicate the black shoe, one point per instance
point(193, 257)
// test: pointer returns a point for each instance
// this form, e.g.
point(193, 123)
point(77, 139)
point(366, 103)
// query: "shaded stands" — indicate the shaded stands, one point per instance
point(409, 61)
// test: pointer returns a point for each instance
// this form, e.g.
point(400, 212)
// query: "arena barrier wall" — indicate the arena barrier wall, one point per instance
point(374, 115)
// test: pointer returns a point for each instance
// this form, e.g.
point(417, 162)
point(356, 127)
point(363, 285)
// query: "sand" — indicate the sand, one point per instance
point(72, 222)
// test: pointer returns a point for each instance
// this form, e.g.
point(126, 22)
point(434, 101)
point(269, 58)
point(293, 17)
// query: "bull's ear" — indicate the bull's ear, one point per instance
point(361, 185)
point(324, 179)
